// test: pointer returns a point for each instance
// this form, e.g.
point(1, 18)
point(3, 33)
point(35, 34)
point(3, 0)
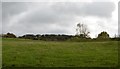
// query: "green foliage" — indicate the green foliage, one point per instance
point(35, 53)
point(103, 35)
point(79, 39)
point(47, 37)
point(9, 35)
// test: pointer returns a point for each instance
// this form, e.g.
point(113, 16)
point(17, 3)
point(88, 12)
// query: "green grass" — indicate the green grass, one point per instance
point(35, 53)
point(0, 52)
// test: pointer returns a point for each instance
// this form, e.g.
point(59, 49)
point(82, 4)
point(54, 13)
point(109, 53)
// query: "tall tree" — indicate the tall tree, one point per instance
point(82, 30)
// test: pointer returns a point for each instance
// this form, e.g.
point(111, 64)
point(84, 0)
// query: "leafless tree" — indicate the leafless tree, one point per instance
point(82, 30)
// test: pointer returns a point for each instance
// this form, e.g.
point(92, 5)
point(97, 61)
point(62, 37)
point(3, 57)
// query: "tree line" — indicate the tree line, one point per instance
point(46, 37)
point(82, 34)
point(61, 37)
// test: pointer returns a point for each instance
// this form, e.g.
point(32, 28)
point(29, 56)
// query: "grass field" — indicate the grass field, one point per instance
point(0, 52)
point(35, 53)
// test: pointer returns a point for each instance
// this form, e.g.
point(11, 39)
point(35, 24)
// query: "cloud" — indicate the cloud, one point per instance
point(100, 9)
point(51, 17)
point(0, 17)
point(13, 8)
point(119, 18)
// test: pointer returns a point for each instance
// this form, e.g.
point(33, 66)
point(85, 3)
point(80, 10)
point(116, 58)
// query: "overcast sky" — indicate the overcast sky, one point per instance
point(59, 17)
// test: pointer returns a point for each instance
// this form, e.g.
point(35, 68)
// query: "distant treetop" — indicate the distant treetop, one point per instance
point(9, 35)
point(103, 35)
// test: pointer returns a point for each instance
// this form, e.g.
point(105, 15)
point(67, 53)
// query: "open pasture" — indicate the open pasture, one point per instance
point(36, 53)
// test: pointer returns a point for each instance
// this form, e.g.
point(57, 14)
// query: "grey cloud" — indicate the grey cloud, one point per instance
point(12, 8)
point(36, 29)
point(46, 15)
point(0, 17)
point(100, 9)
point(59, 12)
point(42, 18)
point(0, 12)
point(119, 18)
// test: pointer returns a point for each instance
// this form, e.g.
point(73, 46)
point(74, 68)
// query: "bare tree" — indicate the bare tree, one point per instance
point(82, 30)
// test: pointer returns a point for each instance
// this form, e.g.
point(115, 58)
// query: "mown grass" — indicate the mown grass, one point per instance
point(35, 53)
